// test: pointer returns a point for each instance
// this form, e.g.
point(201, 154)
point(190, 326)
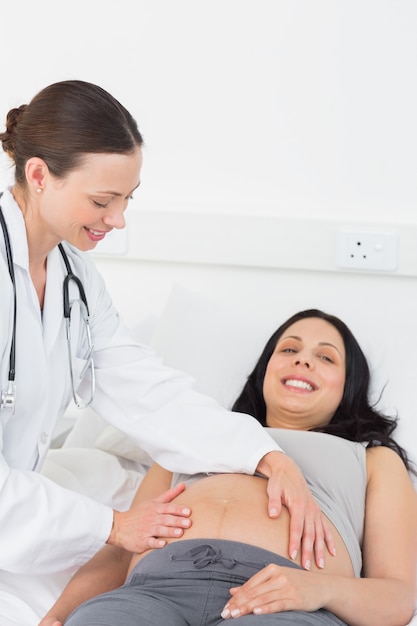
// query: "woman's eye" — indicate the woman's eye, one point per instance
point(324, 357)
point(288, 350)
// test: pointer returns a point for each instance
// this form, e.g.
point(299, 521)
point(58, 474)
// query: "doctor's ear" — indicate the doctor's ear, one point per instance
point(36, 172)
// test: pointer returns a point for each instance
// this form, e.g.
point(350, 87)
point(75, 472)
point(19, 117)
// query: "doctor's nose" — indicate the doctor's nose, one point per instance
point(115, 219)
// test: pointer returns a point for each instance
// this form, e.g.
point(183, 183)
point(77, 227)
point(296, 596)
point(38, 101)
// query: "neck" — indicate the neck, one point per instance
point(38, 245)
point(40, 240)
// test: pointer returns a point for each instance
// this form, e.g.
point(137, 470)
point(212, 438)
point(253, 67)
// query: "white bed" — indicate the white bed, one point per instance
point(218, 345)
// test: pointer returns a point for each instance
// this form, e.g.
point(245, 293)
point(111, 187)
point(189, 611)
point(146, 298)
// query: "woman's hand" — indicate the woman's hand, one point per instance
point(274, 589)
point(308, 529)
point(148, 523)
point(50, 621)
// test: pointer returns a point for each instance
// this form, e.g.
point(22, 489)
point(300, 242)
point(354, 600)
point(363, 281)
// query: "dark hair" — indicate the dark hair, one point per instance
point(355, 418)
point(65, 121)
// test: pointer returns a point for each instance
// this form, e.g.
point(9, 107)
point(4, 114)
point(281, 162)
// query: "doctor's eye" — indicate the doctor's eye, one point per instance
point(100, 205)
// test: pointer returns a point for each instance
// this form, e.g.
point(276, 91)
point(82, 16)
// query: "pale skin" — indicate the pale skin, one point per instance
point(82, 208)
point(305, 376)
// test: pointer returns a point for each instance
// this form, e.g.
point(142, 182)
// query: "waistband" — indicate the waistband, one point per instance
point(208, 554)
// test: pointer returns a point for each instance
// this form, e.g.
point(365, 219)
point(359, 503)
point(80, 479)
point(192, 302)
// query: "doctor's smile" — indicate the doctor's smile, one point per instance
point(96, 235)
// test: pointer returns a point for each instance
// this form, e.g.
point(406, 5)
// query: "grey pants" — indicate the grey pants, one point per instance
point(187, 584)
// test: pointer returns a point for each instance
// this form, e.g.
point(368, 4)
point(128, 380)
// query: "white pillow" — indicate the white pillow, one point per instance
point(218, 345)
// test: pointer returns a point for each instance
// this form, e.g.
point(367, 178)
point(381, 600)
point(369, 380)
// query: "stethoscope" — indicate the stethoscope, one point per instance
point(8, 396)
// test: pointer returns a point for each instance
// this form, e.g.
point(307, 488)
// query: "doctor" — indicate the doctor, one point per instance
point(77, 156)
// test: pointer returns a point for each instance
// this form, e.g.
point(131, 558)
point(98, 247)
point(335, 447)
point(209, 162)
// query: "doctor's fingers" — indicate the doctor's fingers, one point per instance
point(134, 528)
point(155, 535)
point(170, 494)
point(161, 514)
point(317, 539)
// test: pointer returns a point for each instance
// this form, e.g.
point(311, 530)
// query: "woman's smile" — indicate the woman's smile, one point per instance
point(299, 384)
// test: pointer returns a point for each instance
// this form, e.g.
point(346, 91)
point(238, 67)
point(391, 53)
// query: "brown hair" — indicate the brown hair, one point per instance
point(65, 121)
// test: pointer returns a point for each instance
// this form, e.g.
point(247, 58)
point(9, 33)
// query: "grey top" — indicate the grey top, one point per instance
point(335, 470)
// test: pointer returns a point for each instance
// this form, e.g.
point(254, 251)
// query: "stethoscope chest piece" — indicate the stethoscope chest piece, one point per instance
point(8, 397)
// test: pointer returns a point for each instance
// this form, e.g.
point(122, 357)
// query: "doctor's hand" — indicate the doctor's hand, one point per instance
point(287, 486)
point(147, 524)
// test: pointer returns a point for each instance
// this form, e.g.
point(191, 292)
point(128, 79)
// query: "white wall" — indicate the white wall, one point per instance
point(293, 109)
point(261, 106)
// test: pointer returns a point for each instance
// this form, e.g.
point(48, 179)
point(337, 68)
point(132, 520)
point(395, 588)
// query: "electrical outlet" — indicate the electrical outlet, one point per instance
point(367, 251)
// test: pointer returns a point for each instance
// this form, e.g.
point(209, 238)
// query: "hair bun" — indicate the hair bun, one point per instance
point(8, 137)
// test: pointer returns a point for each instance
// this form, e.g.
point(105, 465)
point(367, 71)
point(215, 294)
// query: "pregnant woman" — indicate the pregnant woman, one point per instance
point(310, 389)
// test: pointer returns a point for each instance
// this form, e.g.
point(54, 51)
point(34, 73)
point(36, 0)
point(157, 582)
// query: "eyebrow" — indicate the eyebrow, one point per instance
point(321, 343)
point(116, 193)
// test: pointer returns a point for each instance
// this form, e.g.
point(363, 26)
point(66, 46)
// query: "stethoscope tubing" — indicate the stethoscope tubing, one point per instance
point(12, 359)
point(68, 278)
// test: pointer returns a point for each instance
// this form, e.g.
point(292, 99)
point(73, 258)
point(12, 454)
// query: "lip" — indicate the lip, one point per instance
point(301, 380)
point(96, 235)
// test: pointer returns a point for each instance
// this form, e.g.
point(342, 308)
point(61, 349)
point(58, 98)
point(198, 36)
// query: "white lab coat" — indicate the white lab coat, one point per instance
point(43, 526)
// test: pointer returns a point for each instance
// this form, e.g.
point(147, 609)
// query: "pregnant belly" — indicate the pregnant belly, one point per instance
point(234, 507)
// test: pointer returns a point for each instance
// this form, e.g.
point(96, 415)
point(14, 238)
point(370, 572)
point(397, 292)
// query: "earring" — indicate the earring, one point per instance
point(39, 190)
